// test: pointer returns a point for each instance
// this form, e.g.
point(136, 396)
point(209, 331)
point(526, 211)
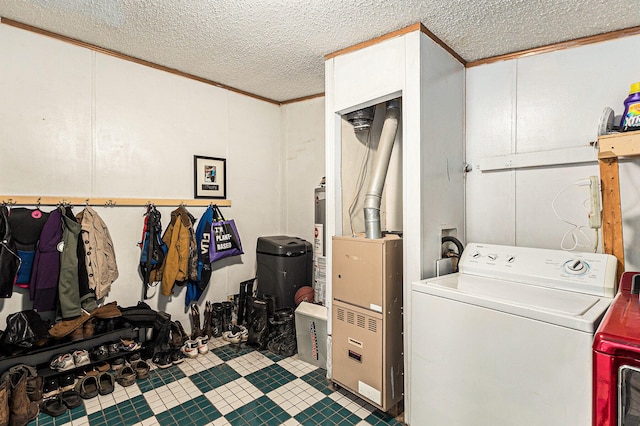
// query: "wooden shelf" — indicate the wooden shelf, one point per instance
point(619, 145)
point(50, 200)
point(610, 149)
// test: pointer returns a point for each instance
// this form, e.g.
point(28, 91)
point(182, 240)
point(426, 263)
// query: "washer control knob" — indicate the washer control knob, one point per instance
point(476, 255)
point(511, 259)
point(492, 256)
point(576, 267)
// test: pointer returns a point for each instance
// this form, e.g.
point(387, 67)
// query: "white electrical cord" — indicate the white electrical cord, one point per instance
point(576, 229)
point(360, 182)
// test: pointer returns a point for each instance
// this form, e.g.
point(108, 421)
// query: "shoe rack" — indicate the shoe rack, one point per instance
point(42, 356)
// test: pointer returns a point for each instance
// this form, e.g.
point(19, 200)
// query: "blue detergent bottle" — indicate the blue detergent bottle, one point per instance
point(631, 117)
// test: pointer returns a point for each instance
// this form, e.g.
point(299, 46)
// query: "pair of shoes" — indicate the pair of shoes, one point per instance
point(58, 405)
point(55, 385)
point(126, 376)
point(69, 361)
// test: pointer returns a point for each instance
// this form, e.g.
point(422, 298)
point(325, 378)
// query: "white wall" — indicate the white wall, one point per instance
point(538, 103)
point(74, 122)
point(304, 160)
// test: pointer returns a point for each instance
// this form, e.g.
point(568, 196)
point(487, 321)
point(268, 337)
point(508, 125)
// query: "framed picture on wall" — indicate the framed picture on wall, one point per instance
point(210, 177)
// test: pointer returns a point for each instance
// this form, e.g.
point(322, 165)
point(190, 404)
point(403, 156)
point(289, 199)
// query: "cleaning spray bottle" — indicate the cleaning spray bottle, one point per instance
point(631, 117)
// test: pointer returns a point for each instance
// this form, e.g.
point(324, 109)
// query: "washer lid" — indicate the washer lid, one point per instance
point(563, 308)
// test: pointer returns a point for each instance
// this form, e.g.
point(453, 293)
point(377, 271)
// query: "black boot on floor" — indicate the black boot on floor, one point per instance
point(259, 330)
point(217, 321)
point(246, 290)
point(227, 308)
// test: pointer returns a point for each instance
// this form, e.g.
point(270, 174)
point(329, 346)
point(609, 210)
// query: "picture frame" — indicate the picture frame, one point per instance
point(209, 177)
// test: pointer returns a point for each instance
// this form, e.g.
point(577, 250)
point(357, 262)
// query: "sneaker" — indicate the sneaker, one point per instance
point(203, 344)
point(236, 335)
point(190, 348)
point(81, 357)
point(176, 357)
point(62, 362)
point(162, 360)
point(129, 345)
point(113, 348)
point(100, 353)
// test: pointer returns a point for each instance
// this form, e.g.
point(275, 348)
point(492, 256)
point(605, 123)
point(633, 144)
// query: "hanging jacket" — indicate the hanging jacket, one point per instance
point(152, 249)
point(43, 288)
point(181, 263)
point(100, 256)
point(26, 226)
point(9, 259)
point(203, 234)
point(68, 281)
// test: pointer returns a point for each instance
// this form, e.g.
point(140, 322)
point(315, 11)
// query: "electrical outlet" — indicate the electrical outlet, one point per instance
point(595, 215)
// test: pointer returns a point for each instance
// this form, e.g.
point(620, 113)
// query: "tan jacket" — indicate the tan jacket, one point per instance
point(100, 257)
point(178, 266)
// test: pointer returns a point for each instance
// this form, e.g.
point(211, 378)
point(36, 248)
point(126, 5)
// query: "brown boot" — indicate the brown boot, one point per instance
point(4, 403)
point(21, 408)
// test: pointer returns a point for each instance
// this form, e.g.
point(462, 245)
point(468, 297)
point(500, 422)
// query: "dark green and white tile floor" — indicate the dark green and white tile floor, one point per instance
point(227, 386)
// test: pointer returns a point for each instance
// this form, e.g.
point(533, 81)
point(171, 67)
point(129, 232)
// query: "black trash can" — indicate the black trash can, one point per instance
point(284, 265)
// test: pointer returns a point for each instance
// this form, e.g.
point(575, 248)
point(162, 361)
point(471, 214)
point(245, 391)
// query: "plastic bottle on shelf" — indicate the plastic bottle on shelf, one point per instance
point(631, 117)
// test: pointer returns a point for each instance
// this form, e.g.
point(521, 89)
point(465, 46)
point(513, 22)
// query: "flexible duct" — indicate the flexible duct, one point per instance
point(373, 198)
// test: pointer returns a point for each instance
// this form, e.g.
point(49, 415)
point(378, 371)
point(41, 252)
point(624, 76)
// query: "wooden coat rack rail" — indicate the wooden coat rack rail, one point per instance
point(34, 200)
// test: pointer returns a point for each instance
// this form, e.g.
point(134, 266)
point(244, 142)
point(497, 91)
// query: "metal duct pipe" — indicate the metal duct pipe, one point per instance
point(373, 198)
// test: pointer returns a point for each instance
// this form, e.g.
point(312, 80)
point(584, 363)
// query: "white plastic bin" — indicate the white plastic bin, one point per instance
point(311, 333)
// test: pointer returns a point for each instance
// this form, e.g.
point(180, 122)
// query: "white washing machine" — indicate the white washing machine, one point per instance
point(507, 340)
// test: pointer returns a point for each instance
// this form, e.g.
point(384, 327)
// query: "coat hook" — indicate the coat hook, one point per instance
point(38, 202)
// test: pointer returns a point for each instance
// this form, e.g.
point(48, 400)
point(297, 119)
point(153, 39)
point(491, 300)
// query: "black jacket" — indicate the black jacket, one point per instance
point(9, 259)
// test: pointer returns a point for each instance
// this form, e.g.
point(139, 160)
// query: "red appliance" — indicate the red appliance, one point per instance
point(616, 358)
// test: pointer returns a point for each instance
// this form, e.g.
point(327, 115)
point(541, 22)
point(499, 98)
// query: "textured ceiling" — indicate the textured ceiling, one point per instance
point(276, 48)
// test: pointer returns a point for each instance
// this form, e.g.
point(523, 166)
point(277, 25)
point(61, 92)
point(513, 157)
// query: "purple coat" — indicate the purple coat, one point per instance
point(46, 265)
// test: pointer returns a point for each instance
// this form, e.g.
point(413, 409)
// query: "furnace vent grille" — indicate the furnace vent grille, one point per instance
point(373, 325)
point(340, 314)
point(350, 317)
point(361, 321)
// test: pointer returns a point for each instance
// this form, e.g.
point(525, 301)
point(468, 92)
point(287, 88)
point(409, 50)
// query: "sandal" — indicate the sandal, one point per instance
point(141, 368)
point(53, 406)
point(126, 376)
point(87, 387)
point(106, 383)
point(71, 399)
